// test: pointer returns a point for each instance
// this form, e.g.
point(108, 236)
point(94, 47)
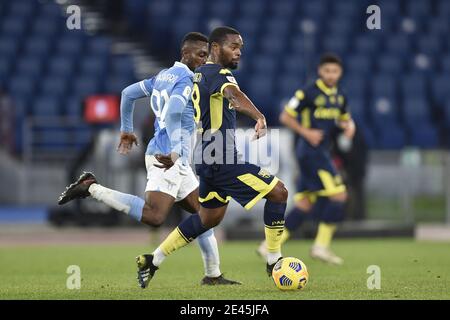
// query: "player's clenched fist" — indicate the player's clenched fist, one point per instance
point(127, 139)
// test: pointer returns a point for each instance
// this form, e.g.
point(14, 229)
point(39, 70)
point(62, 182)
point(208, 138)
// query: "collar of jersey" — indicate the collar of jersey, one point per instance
point(322, 86)
point(182, 65)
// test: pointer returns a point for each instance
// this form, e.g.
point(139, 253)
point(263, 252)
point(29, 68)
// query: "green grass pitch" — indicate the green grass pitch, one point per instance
point(409, 270)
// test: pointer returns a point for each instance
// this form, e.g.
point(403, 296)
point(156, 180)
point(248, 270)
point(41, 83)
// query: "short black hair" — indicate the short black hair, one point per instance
point(194, 36)
point(219, 34)
point(330, 58)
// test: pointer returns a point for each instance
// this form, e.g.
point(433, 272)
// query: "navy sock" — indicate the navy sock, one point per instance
point(192, 227)
point(274, 213)
point(294, 219)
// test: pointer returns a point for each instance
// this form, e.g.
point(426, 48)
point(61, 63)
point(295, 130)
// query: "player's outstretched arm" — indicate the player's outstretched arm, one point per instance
point(129, 95)
point(243, 104)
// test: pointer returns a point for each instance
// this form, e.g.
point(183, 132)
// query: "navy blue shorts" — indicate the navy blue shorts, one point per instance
point(246, 183)
point(318, 178)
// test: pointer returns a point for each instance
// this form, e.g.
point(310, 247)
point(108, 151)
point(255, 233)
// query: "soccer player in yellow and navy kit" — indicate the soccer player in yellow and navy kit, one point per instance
point(313, 113)
point(217, 97)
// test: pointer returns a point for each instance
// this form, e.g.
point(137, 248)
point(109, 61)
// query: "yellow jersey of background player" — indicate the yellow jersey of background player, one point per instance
point(313, 113)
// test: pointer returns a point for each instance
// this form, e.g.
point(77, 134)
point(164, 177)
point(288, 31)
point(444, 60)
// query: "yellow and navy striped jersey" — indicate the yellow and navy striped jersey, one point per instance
point(214, 114)
point(318, 106)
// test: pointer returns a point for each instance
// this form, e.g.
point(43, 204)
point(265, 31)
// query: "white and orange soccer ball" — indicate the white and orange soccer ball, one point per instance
point(290, 274)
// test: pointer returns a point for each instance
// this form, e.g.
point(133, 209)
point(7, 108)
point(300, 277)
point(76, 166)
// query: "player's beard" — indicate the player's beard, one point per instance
point(230, 65)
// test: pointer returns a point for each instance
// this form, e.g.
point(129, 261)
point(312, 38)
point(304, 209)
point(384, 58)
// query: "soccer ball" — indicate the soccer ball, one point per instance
point(290, 274)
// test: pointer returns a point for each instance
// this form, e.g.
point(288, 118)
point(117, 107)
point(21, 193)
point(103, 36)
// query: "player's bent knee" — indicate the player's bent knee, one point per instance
point(152, 216)
point(340, 197)
point(279, 193)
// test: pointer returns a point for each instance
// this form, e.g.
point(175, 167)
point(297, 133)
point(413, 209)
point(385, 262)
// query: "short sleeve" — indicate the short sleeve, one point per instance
point(183, 89)
point(296, 103)
point(221, 80)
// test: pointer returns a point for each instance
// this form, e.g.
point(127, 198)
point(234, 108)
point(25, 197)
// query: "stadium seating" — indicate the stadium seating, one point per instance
point(394, 77)
point(48, 70)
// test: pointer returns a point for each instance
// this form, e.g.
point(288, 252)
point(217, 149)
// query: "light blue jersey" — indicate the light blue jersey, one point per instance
point(170, 96)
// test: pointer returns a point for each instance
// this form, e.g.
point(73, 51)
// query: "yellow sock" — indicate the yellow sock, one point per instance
point(324, 234)
point(175, 240)
point(285, 236)
point(273, 238)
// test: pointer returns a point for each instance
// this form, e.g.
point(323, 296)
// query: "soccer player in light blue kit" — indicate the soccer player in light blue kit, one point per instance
point(170, 96)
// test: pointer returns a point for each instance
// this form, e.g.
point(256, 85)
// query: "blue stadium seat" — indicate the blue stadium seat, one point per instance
point(45, 26)
point(252, 8)
point(358, 63)
point(39, 46)
point(303, 44)
point(122, 65)
point(30, 66)
point(384, 86)
point(445, 63)
point(190, 8)
point(61, 65)
point(54, 85)
point(391, 137)
point(52, 139)
point(355, 85)
point(283, 8)
point(287, 84)
point(398, 44)
point(294, 63)
point(418, 8)
point(264, 63)
point(335, 43)
point(180, 27)
point(277, 26)
point(94, 65)
point(443, 8)
point(21, 8)
point(116, 84)
point(22, 86)
point(14, 26)
point(439, 89)
point(415, 111)
point(414, 85)
point(260, 90)
point(9, 46)
point(99, 45)
point(221, 9)
point(70, 46)
point(314, 9)
point(438, 26)
point(341, 26)
point(348, 9)
point(5, 69)
point(366, 44)
point(424, 136)
point(51, 10)
point(247, 27)
point(84, 86)
point(358, 108)
point(384, 111)
point(73, 107)
point(430, 44)
point(273, 44)
point(82, 135)
point(45, 107)
point(390, 64)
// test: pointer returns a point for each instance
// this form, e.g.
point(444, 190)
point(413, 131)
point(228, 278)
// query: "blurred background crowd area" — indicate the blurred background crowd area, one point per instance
point(60, 89)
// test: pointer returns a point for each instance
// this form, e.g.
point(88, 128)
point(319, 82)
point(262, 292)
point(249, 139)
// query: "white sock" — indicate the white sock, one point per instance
point(158, 257)
point(123, 202)
point(210, 253)
point(273, 257)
